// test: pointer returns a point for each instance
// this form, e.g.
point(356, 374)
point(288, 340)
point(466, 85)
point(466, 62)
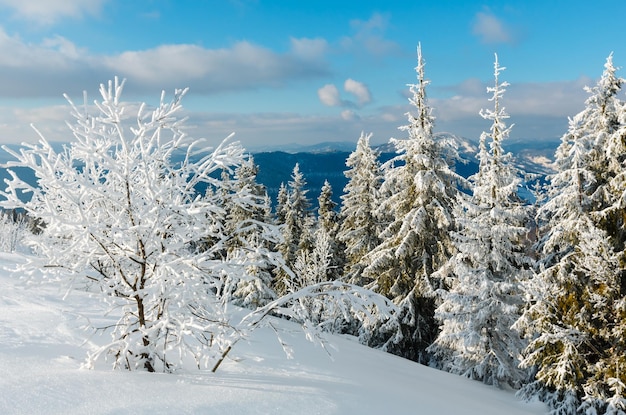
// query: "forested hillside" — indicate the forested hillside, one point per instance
point(413, 251)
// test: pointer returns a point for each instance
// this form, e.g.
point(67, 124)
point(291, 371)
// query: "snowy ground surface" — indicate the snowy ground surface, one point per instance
point(42, 347)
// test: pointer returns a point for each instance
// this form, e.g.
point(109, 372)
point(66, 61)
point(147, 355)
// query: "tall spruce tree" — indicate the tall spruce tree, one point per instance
point(327, 216)
point(422, 190)
point(295, 229)
point(576, 318)
point(359, 226)
point(281, 204)
point(249, 242)
point(328, 222)
point(476, 339)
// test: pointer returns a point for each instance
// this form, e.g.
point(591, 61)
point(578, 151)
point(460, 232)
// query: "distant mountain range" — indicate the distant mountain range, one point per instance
point(327, 161)
point(293, 148)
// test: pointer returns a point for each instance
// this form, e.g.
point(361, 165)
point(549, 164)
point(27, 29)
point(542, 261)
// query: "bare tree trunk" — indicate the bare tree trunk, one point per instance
point(146, 341)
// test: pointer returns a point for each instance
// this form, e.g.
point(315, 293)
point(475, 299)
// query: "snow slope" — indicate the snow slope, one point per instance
point(42, 346)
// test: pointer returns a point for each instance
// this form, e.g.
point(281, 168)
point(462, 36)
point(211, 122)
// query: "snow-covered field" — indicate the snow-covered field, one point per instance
point(42, 346)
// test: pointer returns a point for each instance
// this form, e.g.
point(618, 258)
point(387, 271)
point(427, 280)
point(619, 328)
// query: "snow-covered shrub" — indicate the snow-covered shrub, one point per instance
point(337, 300)
point(13, 228)
point(121, 207)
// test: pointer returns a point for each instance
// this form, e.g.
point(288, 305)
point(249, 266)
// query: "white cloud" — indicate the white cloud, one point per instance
point(263, 129)
point(490, 29)
point(376, 23)
point(56, 65)
point(253, 129)
point(17, 55)
point(15, 124)
point(329, 95)
point(359, 90)
point(50, 11)
point(553, 99)
point(390, 117)
point(63, 46)
point(242, 66)
point(538, 110)
point(559, 99)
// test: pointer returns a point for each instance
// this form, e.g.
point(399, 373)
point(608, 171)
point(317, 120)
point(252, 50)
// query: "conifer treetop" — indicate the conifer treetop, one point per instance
point(499, 130)
point(424, 119)
point(608, 86)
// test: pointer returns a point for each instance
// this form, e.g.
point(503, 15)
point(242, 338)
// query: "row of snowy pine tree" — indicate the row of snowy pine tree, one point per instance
point(487, 285)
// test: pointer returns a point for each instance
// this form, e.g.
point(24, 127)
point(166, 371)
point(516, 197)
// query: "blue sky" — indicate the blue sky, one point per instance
point(278, 72)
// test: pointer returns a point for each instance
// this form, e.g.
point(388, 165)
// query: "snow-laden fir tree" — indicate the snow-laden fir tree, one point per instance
point(420, 190)
point(613, 372)
point(321, 260)
point(603, 124)
point(600, 124)
point(312, 267)
point(327, 217)
point(121, 211)
point(249, 243)
point(329, 222)
point(359, 226)
point(614, 215)
point(281, 203)
point(296, 228)
point(577, 314)
point(476, 338)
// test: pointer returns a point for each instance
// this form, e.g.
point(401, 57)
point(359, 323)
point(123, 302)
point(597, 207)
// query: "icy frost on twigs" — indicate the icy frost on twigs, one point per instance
point(123, 214)
point(341, 301)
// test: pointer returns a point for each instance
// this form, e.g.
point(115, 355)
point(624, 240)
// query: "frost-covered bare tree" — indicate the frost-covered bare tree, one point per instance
point(323, 307)
point(121, 209)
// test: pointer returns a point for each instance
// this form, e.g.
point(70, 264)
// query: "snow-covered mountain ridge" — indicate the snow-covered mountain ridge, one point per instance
point(326, 161)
